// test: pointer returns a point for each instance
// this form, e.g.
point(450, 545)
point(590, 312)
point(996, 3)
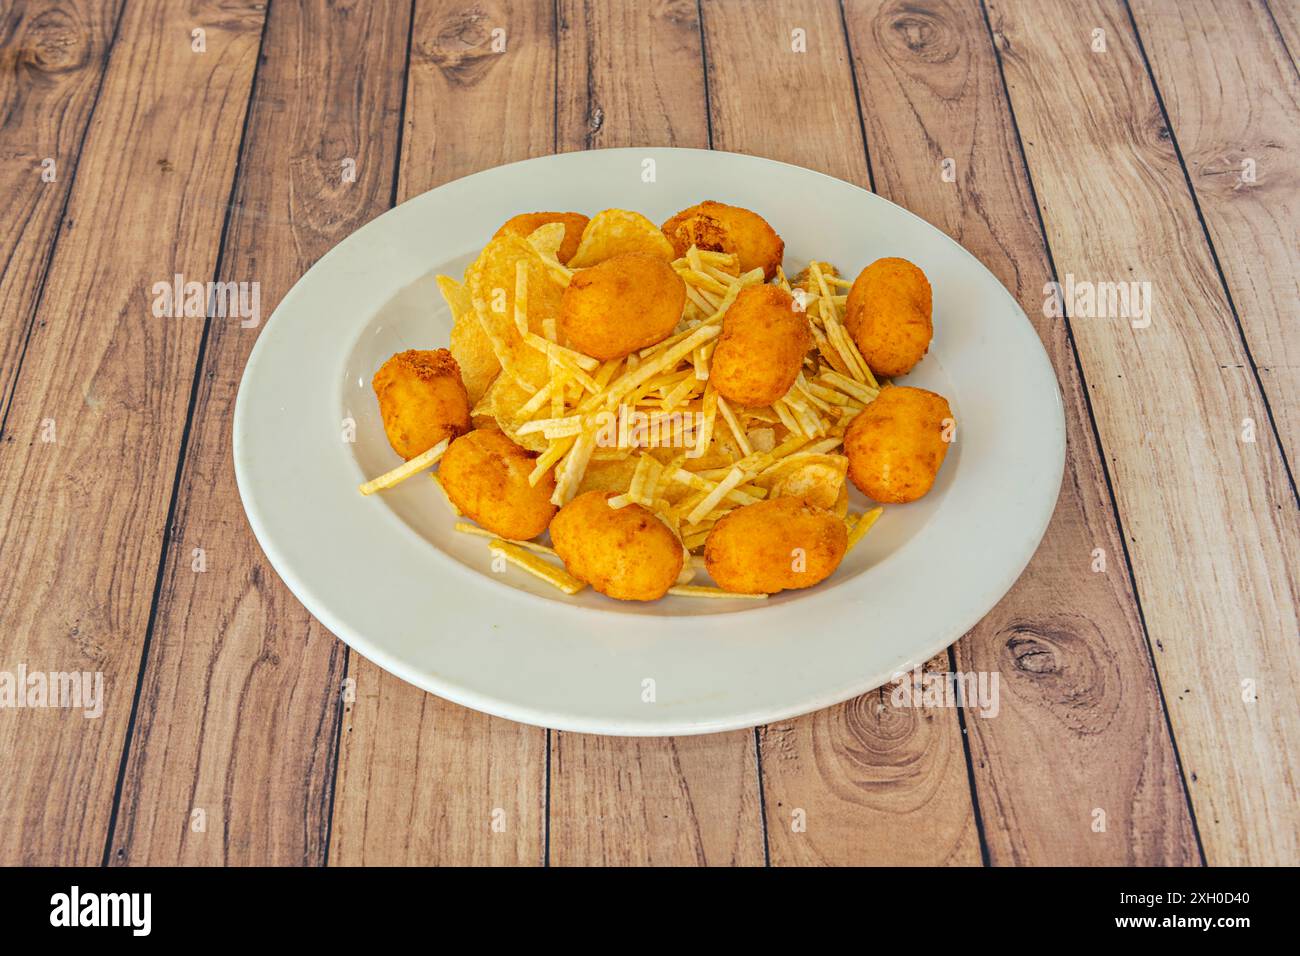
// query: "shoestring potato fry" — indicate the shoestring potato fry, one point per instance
point(656, 402)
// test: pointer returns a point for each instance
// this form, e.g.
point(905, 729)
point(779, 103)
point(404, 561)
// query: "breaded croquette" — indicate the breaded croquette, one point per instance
point(897, 444)
point(625, 303)
point(717, 227)
point(421, 400)
point(485, 475)
point(888, 315)
point(762, 346)
point(526, 223)
point(625, 553)
point(773, 546)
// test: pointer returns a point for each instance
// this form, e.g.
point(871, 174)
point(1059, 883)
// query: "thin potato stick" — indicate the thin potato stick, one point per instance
point(705, 282)
point(464, 527)
point(849, 387)
point(741, 438)
point(711, 500)
point(405, 470)
point(521, 296)
point(704, 591)
point(862, 526)
point(669, 359)
point(697, 297)
point(557, 450)
point(556, 577)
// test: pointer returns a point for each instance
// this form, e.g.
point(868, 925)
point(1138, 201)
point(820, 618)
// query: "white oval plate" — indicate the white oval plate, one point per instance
point(390, 576)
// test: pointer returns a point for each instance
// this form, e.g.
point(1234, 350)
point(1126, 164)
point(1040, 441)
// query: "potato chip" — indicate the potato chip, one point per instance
point(617, 231)
point(508, 394)
point(492, 281)
point(815, 479)
point(470, 346)
point(608, 475)
point(546, 241)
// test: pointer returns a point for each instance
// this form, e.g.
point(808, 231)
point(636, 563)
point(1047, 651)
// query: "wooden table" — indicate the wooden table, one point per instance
point(1149, 658)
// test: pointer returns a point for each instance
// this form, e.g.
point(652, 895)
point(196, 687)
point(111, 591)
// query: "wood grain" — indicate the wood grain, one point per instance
point(422, 780)
point(83, 517)
point(1212, 527)
point(52, 61)
point(630, 74)
point(1080, 726)
point(1233, 99)
point(874, 785)
point(258, 757)
point(621, 800)
point(1286, 18)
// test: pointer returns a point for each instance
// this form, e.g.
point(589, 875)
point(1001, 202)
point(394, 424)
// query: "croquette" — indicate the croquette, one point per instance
point(422, 400)
point(773, 546)
point(628, 302)
point(485, 475)
point(761, 348)
point(897, 444)
point(717, 227)
point(625, 553)
point(888, 313)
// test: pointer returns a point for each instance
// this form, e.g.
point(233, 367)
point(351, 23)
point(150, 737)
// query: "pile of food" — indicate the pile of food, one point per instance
point(664, 400)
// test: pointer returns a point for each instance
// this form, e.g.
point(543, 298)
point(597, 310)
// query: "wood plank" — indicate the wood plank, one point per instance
point(422, 780)
point(1212, 527)
point(1080, 724)
point(1233, 99)
point(52, 61)
point(1286, 20)
point(630, 75)
point(874, 785)
point(258, 758)
point(82, 518)
point(622, 800)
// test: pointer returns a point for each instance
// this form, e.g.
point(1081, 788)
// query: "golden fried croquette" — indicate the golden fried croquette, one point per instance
point(625, 553)
point(485, 475)
point(888, 315)
point(761, 348)
point(773, 545)
point(896, 444)
point(625, 303)
point(422, 400)
point(526, 223)
point(717, 227)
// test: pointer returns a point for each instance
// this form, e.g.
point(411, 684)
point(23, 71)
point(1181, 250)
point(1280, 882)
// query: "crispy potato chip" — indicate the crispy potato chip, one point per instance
point(608, 475)
point(470, 346)
point(508, 393)
point(492, 281)
point(815, 479)
point(617, 231)
point(547, 240)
